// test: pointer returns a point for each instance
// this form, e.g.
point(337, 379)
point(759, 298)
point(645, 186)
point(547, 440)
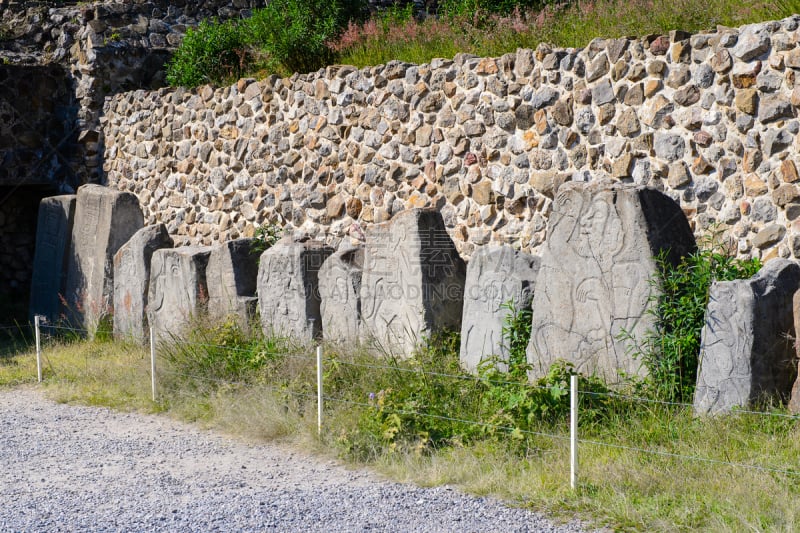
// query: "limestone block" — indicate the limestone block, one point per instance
point(594, 280)
point(340, 290)
point(413, 281)
point(232, 274)
point(53, 237)
point(746, 352)
point(132, 281)
point(288, 288)
point(104, 220)
point(495, 276)
point(178, 292)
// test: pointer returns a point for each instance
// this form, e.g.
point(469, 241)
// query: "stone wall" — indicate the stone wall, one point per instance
point(710, 119)
point(105, 48)
point(36, 109)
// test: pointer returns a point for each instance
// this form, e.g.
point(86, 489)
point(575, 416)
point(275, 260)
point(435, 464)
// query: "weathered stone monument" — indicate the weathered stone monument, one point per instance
point(496, 276)
point(104, 220)
point(232, 276)
point(53, 237)
point(413, 281)
point(132, 281)
point(340, 290)
point(747, 353)
point(178, 290)
point(794, 401)
point(594, 280)
point(288, 288)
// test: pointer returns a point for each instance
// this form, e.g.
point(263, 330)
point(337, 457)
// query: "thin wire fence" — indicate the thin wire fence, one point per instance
point(165, 371)
point(450, 419)
point(464, 377)
point(690, 457)
point(687, 406)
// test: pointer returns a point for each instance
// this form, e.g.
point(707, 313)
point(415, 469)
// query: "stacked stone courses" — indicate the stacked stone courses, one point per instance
point(709, 119)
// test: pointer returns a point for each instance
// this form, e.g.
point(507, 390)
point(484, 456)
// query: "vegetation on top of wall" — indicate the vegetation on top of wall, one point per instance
point(671, 351)
point(284, 37)
point(288, 36)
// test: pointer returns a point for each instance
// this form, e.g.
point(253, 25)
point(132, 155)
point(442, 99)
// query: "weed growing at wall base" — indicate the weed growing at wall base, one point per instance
point(671, 350)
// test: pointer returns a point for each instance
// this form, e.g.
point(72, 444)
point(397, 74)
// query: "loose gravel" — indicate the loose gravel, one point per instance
point(75, 468)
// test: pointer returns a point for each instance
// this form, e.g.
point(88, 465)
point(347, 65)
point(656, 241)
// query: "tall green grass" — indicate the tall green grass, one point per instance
point(283, 39)
point(571, 24)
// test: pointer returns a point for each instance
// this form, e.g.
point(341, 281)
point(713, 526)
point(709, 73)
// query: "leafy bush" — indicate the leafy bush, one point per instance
point(265, 238)
point(282, 38)
point(292, 33)
point(213, 52)
point(429, 402)
point(671, 351)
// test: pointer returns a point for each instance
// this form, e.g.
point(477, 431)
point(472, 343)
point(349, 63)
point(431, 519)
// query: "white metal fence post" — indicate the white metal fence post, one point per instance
point(36, 321)
point(573, 431)
point(319, 390)
point(153, 361)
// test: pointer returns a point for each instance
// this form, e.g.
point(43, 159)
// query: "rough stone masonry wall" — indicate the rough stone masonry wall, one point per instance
point(105, 48)
point(709, 118)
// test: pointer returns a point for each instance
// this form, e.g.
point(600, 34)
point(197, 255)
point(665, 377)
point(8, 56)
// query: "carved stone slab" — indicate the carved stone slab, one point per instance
point(232, 276)
point(413, 281)
point(132, 281)
point(594, 279)
point(104, 220)
point(496, 275)
point(288, 288)
point(53, 237)
point(178, 290)
point(794, 402)
point(340, 290)
point(747, 353)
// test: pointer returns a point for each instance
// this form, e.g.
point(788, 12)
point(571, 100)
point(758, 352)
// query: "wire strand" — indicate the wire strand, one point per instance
point(451, 419)
point(685, 405)
point(690, 457)
point(464, 377)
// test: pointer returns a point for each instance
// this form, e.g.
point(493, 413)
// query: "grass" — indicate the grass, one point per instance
point(621, 488)
point(570, 24)
point(220, 53)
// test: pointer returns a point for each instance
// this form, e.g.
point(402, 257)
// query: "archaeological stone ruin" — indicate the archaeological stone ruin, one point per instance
point(414, 198)
point(594, 282)
point(340, 293)
point(104, 220)
point(288, 288)
point(132, 281)
point(178, 292)
point(53, 239)
point(748, 352)
point(231, 279)
point(412, 284)
point(497, 276)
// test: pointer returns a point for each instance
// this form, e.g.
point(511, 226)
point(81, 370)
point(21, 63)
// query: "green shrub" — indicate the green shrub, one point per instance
point(265, 238)
point(671, 350)
point(213, 52)
point(286, 36)
point(429, 402)
point(292, 33)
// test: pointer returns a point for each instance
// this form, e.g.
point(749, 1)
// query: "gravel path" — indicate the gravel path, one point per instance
point(74, 468)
